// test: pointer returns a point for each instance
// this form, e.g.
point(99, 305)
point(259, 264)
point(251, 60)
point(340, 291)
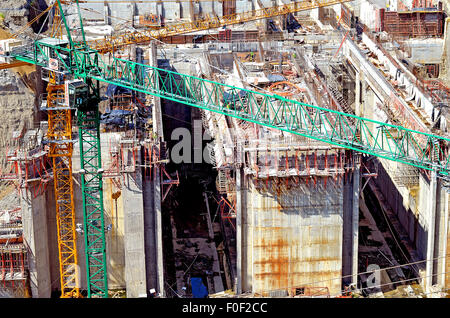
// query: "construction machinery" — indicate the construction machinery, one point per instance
point(108, 44)
point(80, 66)
point(59, 137)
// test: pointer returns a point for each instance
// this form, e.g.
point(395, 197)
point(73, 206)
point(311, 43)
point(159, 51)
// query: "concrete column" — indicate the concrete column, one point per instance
point(355, 222)
point(442, 261)
point(34, 218)
point(158, 129)
point(363, 96)
point(350, 227)
point(239, 232)
point(358, 94)
point(158, 228)
point(431, 231)
point(150, 235)
point(134, 243)
point(106, 14)
point(217, 279)
point(446, 53)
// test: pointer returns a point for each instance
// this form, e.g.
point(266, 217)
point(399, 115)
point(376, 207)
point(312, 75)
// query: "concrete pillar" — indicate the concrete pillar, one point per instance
point(239, 232)
point(355, 222)
point(158, 228)
point(133, 13)
point(443, 235)
point(350, 227)
point(244, 236)
point(217, 279)
point(446, 53)
point(106, 14)
point(436, 257)
point(158, 129)
point(363, 96)
point(358, 110)
point(34, 219)
point(431, 231)
point(150, 235)
point(135, 273)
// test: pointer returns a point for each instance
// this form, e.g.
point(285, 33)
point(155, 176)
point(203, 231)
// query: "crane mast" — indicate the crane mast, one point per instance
point(61, 148)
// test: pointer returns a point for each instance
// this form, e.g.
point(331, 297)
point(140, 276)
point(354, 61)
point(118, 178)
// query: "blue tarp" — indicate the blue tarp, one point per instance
point(233, 96)
point(292, 24)
point(276, 77)
point(115, 117)
point(198, 289)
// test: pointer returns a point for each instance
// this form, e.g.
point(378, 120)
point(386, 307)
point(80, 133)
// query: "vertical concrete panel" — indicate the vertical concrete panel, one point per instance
point(35, 239)
point(243, 6)
point(122, 11)
point(134, 235)
point(172, 10)
point(297, 237)
point(150, 236)
point(113, 210)
point(113, 214)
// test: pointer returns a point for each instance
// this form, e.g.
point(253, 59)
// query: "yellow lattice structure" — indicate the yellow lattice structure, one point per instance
point(60, 136)
point(108, 44)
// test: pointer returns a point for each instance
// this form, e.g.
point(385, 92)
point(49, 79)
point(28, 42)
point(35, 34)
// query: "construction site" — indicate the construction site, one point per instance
point(224, 149)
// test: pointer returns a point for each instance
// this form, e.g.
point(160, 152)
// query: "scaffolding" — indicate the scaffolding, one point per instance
point(13, 266)
point(13, 255)
point(417, 23)
point(155, 155)
point(28, 165)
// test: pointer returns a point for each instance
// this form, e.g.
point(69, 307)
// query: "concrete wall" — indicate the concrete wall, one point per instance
point(113, 209)
point(293, 238)
point(35, 231)
point(135, 274)
point(150, 236)
point(426, 51)
point(169, 10)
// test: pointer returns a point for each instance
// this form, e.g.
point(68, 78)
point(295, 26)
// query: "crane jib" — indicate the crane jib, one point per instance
point(396, 143)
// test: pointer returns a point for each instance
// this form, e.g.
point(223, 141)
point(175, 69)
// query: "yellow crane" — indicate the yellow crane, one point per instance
point(111, 43)
point(59, 135)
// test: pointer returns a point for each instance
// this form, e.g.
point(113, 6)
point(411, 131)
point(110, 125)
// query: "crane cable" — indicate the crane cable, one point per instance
point(21, 30)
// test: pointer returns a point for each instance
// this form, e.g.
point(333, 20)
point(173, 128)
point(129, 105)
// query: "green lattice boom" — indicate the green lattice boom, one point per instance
point(91, 186)
point(415, 148)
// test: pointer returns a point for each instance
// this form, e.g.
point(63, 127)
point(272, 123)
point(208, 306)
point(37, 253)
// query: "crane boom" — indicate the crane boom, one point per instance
point(111, 43)
point(419, 149)
point(59, 136)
